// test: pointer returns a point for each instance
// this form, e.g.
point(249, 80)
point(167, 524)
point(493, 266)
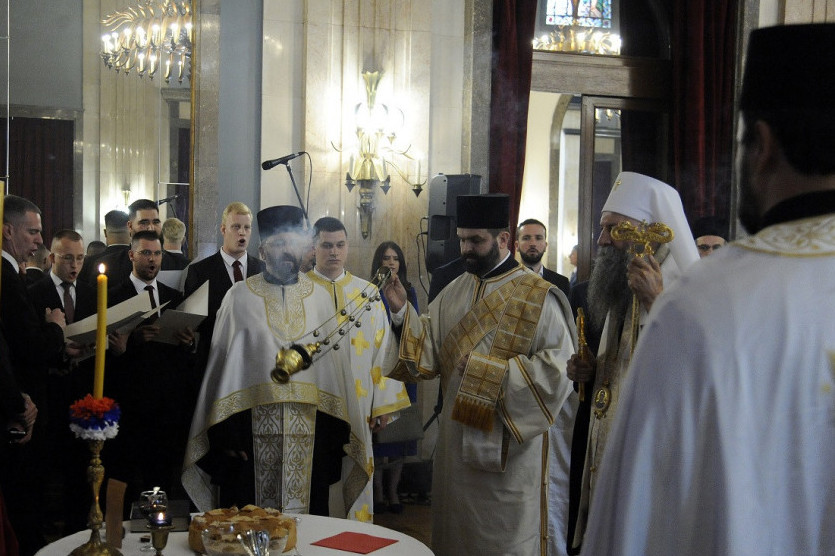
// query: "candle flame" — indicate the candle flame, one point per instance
point(101, 268)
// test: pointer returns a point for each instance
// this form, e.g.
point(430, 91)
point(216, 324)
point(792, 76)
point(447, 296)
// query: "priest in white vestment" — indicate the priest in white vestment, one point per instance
point(281, 444)
point(618, 276)
point(498, 337)
point(725, 439)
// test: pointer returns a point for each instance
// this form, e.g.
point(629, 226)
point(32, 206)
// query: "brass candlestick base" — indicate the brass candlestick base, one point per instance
point(95, 475)
point(159, 536)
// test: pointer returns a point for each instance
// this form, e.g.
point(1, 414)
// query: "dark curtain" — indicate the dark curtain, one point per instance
point(643, 146)
point(703, 58)
point(513, 31)
point(41, 168)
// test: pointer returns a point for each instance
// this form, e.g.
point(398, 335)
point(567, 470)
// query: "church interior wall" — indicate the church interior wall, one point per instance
point(312, 52)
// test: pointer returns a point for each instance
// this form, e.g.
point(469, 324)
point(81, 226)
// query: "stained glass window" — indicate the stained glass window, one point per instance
point(579, 26)
point(579, 13)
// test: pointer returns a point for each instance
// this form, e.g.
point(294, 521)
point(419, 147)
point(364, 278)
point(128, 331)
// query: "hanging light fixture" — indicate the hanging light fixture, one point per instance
point(149, 35)
point(377, 147)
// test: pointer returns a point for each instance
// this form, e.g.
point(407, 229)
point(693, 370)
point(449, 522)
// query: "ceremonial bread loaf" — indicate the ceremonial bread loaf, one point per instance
point(245, 519)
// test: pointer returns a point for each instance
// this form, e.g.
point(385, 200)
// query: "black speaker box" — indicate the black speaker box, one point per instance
point(443, 246)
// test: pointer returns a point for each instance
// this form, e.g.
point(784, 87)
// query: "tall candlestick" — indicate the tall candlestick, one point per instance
point(101, 333)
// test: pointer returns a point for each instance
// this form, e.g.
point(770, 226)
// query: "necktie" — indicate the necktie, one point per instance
point(69, 306)
point(150, 290)
point(236, 271)
point(22, 271)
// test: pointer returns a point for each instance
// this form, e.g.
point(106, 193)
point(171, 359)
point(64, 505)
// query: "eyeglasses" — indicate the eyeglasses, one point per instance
point(705, 247)
point(149, 253)
point(70, 258)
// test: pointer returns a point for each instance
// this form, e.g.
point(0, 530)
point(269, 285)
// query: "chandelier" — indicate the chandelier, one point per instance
point(149, 35)
point(378, 151)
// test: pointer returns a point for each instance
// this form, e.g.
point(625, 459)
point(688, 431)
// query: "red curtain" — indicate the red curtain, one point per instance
point(513, 31)
point(704, 61)
point(41, 168)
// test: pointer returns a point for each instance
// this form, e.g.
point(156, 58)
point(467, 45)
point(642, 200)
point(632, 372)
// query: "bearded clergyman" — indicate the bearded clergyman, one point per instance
point(726, 439)
point(617, 278)
point(282, 444)
point(498, 336)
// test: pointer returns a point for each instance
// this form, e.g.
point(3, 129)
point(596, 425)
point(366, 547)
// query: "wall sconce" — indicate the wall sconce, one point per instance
point(376, 150)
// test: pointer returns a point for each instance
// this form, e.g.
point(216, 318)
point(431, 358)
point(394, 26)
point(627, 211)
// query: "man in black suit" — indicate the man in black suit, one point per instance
point(37, 264)
point(34, 342)
point(220, 269)
point(68, 379)
point(531, 244)
point(116, 235)
point(173, 235)
point(51, 291)
point(143, 214)
point(154, 382)
point(17, 414)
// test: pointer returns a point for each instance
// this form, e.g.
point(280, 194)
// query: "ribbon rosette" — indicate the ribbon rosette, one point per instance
point(95, 418)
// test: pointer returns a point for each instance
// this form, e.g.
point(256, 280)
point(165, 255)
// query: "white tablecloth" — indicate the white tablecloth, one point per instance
point(311, 529)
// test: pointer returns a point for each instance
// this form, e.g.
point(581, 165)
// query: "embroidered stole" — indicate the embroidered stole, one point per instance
point(282, 438)
point(512, 312)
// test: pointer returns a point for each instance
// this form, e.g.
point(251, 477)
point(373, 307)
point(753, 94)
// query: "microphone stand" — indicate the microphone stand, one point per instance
point(296, 189)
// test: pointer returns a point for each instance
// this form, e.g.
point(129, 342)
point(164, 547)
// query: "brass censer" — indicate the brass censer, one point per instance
point(298, 357)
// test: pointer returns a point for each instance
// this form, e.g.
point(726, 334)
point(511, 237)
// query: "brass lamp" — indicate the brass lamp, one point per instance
point(376, 150)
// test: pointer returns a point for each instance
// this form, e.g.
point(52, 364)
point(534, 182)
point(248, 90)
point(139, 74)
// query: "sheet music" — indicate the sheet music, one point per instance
point(124, 316)
point(189, 314)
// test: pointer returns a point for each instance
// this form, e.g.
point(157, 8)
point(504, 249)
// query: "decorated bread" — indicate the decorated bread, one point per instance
point(224, 523)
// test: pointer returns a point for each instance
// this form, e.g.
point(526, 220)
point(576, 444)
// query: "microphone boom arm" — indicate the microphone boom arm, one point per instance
point(296, 189)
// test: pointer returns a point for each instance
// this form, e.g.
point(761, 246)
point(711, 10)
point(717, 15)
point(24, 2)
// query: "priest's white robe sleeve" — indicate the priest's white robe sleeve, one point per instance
point(725, 436)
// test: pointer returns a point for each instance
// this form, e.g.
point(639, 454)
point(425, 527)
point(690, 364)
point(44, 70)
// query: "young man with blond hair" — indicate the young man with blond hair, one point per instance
point(230, 264)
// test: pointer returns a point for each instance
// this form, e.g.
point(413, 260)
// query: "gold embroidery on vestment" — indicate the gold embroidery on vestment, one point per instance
point(807, 237)
point(284, 305)
point(513, 311)
point(282, 437)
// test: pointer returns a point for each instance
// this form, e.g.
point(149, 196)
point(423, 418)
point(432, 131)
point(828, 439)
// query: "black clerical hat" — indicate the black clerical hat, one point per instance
point(280, 218)
point(483, 211)
point(710, 226)
point(789, 67)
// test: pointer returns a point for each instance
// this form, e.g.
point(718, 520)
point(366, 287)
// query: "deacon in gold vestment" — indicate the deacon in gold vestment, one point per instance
point(498, 337)
point(264, 442)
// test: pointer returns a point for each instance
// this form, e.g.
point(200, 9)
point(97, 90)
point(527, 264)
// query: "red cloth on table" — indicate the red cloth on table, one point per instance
point(359, 543)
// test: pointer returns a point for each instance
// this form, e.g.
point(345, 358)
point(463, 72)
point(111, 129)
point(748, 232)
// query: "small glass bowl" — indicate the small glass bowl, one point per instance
point(222, 540)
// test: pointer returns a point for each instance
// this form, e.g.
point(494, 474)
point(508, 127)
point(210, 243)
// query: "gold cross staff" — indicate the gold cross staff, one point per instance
point(642, 238)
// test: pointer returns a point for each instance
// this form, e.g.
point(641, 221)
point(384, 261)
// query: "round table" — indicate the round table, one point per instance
point(312, 528)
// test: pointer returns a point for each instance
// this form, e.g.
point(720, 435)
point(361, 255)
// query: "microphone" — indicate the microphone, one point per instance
point(167, 199)
point(268, 164)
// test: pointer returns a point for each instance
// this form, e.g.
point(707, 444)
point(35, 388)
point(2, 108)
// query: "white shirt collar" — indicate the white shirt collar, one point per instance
point(319, 274)
point(140, 285)
point(57, 279)
point(541, 271)
point(8, 257)
point(229, 259)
